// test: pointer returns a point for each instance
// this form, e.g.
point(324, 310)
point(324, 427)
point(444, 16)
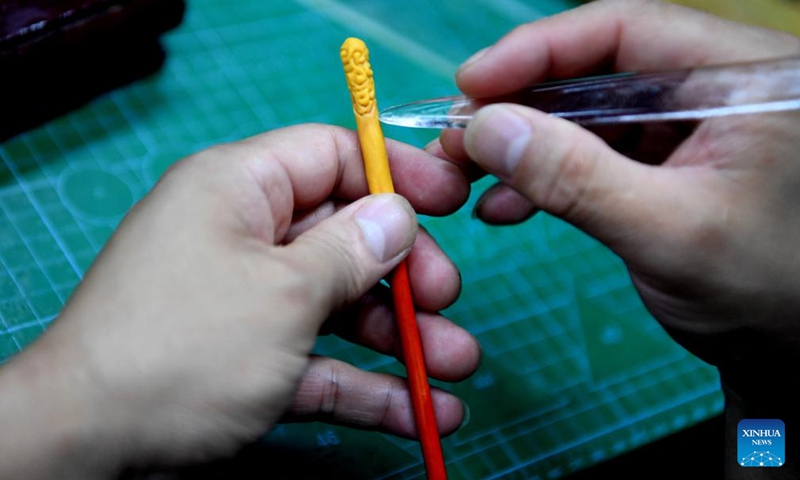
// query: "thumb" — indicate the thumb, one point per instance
point(571, 173)
point(349, 252)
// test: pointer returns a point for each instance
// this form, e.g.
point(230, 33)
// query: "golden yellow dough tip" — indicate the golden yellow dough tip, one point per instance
point(355, 59)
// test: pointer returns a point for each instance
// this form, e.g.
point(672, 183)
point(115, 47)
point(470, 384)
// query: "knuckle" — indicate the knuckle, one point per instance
point(333, 271)
point(570, 182)
point(387, 403)
point(330, 393)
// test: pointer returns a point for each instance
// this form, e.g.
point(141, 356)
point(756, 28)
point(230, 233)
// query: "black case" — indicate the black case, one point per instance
point(58, 55)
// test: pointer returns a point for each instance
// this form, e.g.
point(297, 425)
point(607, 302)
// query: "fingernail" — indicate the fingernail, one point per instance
point(467, 415)
point(387, 225)
point(496, 138)
point(473, 60)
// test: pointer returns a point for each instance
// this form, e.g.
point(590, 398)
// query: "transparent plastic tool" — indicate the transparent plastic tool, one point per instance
point(690, 94)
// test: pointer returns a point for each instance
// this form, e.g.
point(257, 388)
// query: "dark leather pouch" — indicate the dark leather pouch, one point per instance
point(57, 55)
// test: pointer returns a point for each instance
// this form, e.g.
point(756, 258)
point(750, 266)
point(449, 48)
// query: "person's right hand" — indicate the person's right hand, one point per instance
point(708, 231)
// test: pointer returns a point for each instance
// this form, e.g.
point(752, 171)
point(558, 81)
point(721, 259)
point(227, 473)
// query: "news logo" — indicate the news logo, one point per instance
point(762, 443)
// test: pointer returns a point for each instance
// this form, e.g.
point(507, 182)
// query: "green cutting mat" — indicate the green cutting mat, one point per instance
point(574, 369)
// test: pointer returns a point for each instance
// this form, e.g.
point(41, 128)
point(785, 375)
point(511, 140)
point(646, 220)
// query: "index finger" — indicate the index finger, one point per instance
point(299, 167)
point(614, 36)
point(322, 161)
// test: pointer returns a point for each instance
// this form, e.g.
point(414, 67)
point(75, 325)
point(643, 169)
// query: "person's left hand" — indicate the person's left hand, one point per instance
point(190, 336)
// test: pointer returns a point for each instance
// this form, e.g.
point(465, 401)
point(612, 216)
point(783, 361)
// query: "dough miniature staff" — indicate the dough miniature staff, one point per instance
point(355, 58)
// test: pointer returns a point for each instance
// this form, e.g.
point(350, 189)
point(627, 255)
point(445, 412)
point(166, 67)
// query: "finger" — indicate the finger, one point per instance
point(617, 36)
point(349, 252)
point(299, 167)
point(334, 392)
point(435, 280)
point(451, 352)
point(502, 205)
point(571, 173)
point(650, 142)
point(450, 147)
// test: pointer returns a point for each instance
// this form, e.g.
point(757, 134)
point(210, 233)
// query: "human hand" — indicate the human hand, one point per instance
point(706, 230)
point(190, 335)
